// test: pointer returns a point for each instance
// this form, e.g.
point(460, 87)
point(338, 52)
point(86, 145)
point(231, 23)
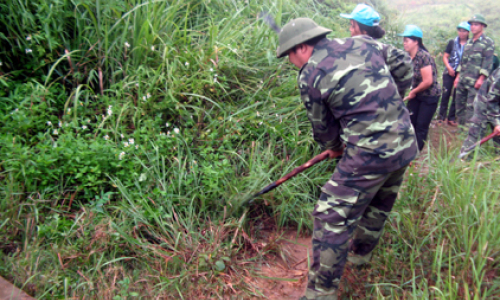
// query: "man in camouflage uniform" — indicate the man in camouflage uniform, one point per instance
point(350, 90)
point(475, 67)
point(486, 110)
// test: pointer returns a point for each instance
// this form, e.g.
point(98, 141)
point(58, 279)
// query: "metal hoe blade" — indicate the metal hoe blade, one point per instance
point(468, 150)
point(320, 157)
point(270, 21)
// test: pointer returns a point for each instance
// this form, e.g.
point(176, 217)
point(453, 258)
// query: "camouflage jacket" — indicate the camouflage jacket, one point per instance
point(489, 96)
point(477, 60)
point(349, 88)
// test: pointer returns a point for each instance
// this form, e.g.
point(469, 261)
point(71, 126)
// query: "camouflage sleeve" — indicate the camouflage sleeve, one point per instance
point(326, 129)
point(492, 99)
point(487, 63)
point(399, 63)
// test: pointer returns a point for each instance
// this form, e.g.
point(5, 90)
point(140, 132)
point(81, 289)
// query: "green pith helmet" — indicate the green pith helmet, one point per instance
point(296, 32)
point(478, 18)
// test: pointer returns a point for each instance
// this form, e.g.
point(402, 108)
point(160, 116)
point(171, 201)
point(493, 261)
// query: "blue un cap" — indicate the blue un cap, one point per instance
point(363, 14)
point(412, 30)
point(464, 25)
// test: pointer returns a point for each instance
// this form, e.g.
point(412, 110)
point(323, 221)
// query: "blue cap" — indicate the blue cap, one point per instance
point(412, 30)
point(464, 25)
point(363, 14)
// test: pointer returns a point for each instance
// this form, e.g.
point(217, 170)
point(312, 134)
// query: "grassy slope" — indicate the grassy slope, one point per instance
point(438, 19)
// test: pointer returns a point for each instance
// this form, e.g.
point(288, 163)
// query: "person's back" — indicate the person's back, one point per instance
point(486, 111)
point(351, 76)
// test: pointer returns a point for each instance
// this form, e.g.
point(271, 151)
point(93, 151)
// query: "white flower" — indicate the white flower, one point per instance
point(187, 64)
point(144, 98)
point(127, 45)
point(69, 110)
point(16, 110)
point(211, 70)
point(84, 127)
point(258, 114)
point(168, 132)
point(28, 38)
point(260, 123)
point(125, 144)
point(136, 146)
point(176, 130)
point(215, 75)
point(60, 124)
point(106, 137)
point(1, 64)
point(161, 133)
point(131, 141)
point(88, 120)
point(122, 154)
point(152, 48)
point(137, 85)
point(148, 95)
point(109, 111)
point(167, 124)
point(54, 132)
point(28, 50)
point(122, 135)
point(215, 79)
point(49, 123)
point(277, 115)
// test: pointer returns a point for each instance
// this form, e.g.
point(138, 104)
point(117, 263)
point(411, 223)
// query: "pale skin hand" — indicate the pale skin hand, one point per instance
point(496, 130)
point(479, 82)
point(451, 72)
point(333, 154)
point(425, 84)
point(456, 80)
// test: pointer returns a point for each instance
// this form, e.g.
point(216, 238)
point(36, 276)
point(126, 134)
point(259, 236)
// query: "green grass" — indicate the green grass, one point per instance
point(125, 160)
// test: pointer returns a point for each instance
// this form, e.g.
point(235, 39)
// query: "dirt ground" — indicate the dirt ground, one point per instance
point(289, 270)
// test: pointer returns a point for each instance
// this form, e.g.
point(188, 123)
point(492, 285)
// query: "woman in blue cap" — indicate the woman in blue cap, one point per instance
point(451, 59)
point(364, 21)
point(424, 95)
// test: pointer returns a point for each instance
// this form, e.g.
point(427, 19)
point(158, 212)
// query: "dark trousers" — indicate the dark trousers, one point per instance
point(445, 97)
point(422, 110)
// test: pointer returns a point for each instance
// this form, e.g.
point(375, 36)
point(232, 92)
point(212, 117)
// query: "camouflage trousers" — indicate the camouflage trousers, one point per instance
point(349, 207)
point(464, 104)
point(477, 128)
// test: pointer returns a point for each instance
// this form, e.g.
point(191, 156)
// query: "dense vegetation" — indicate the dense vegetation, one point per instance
point(131, 132)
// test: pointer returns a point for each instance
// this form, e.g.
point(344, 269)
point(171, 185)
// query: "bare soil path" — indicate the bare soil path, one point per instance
point(10, 292)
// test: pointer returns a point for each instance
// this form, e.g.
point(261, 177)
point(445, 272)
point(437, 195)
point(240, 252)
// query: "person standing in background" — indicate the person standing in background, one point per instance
point(496, 62)
point(486, 112)
point(475, 67)
point(424, 95)
point(451, 59)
